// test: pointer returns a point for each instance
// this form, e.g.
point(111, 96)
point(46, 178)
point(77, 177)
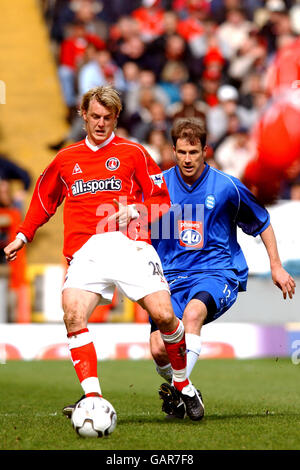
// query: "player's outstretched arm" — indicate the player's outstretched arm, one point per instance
point(281, 278)
point(12, 249)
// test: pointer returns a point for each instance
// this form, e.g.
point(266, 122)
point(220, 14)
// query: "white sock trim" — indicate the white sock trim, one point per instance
point(193, 349)
point(166, 372)
point(91, 385)
point(176, 336)
point(79, 340)
point(193, 343)
point(179, 375)
point(167, 366)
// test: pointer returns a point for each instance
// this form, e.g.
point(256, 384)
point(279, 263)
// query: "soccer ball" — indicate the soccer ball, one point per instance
point(94, 417)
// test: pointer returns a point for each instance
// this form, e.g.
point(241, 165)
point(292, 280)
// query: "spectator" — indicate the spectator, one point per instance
point(150, 17)
point(113, 9)
point(10, 171)
point(137, 98)
point(173, 75)
point(210, 158)
point(125, 28)
point(219, 8)
point(234, 153)
point(72, 55)
point(250, 56)
point(217, 116)
point(170, 23)
point(208, 46)
point(5, 202)
point(233, 125)
point(59, 15)
point(235, 30)
point(131, 74)
point(155, 142)
point(190, 105)
point(175, 48)
point(133, 49)
point(65, 12)
point(158, 120)
point(141, 114)
point(209, 85)
point(167, 157)
point(88, 11)
point(170, 29)
point(100, 71)
point(5, 194)
point(278, 22)
point(191, 26)
point(251, 85)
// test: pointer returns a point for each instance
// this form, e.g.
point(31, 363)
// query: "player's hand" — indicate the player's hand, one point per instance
point(283, 280)
point(12, 249)
point(123, 216)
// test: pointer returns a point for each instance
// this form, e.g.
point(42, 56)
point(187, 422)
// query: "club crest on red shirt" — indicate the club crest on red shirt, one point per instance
point(112, 164)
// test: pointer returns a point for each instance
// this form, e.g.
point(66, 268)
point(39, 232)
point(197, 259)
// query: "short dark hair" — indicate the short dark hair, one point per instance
point(191, 129)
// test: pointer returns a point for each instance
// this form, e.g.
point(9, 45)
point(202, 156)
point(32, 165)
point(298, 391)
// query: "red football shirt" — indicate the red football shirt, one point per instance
point(89, 178)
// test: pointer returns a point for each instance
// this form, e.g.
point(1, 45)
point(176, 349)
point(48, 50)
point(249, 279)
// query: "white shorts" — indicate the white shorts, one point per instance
point(111, 260)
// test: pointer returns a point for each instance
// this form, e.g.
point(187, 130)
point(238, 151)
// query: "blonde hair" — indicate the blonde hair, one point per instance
point(106, 95)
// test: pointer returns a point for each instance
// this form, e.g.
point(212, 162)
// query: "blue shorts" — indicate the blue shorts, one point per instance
point(223, 287)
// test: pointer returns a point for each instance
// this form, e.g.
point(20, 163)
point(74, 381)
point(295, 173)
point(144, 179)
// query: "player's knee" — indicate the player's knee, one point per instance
point(194, 316)
point(163, 317)
point(73, 314)
point(158, 353)
point(157, 349)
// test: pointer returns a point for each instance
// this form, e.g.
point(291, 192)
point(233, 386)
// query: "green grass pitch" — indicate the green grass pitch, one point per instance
point(250, 404)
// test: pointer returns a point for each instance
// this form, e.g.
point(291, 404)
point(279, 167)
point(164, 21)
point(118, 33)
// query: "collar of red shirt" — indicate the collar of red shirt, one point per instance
point(97, 147)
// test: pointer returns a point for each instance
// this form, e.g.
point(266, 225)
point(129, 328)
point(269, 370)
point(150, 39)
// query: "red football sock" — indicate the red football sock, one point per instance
point(84, 359)
point(176, 350)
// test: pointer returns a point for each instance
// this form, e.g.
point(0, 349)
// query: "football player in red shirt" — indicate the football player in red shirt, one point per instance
point(103, 241)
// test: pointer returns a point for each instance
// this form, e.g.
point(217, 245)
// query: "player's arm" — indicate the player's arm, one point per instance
point(150, 179)
point(280, 276)
point(12, 248)
point(150, 190)
point(48, 194)
point(254, 219)
point(124, 215)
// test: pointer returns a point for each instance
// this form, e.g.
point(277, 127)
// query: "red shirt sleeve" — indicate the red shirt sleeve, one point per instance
point(48, 194)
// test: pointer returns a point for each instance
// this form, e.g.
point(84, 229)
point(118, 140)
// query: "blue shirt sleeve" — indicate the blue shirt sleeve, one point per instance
point(252, 217)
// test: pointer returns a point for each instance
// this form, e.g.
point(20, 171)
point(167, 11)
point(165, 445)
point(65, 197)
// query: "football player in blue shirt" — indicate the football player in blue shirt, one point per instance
point(197, 244)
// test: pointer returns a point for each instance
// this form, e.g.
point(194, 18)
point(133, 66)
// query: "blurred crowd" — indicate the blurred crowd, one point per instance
point(12, 199)
point(211, 59)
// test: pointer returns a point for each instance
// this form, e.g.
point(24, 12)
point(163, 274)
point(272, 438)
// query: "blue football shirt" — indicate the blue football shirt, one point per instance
point(199, 232)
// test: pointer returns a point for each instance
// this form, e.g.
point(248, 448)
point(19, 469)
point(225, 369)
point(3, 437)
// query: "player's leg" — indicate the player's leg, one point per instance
point(145, 283)
point(196, 313)
point(160, 356)
point(194, 317)
point(78, 306)
point(172, 404)
point(159, 307)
